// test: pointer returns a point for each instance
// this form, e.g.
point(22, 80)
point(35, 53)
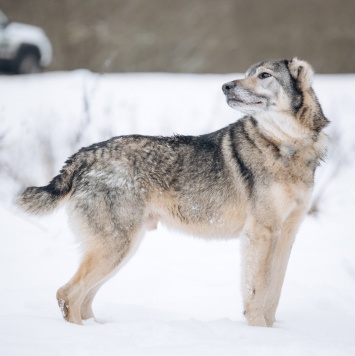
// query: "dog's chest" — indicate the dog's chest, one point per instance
point(283, 198)
point(294, 166)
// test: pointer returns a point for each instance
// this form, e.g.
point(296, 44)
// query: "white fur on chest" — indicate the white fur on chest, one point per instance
point(281, 126)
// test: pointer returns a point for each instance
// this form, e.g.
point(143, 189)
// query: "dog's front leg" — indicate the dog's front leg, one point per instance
point(258, 249)
point(280, 261)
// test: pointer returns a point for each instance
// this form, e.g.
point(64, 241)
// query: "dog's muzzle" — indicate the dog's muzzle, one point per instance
point(227, 87)
point(229, 90)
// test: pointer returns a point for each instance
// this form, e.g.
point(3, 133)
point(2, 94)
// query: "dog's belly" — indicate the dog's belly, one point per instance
point(226, 223)
point(210, 230)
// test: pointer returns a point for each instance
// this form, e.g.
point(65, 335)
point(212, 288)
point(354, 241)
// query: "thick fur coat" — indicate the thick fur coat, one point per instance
point(253, 179)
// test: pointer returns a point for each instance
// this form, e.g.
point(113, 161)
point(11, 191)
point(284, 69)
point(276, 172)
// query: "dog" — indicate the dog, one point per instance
point(253, 179)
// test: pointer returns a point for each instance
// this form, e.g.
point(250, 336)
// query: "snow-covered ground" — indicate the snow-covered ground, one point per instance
point(177, 295)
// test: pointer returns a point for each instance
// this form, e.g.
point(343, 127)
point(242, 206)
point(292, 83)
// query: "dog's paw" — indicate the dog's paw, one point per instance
point(269, 321)
point(90, 321)
point(256, 320)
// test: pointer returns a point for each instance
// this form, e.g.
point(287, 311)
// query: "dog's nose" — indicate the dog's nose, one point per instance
point(227, 87)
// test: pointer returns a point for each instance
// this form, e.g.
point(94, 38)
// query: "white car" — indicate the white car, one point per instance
point(23, 48)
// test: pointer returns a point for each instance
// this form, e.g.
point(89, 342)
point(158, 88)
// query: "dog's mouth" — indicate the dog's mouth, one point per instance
point(234, 100)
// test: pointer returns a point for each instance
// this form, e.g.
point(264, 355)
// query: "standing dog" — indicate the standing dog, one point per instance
point(253, 178)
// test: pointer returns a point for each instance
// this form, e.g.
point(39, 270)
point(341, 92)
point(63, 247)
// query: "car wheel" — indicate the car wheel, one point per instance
point(27, 62)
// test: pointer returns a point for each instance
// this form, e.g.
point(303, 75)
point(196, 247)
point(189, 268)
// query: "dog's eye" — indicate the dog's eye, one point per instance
point(264, 75)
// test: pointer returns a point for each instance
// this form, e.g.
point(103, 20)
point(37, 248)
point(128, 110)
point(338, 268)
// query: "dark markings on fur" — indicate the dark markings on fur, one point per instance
point(290, 84)
point(270, 144)
point(303, 113)
point(180, 215)
point(296, 92)
point(253, 121)
point(209, 144)
point(245, 172)
point(98, 145)
point(267, 142)
point(319, 120)
point(247, 136)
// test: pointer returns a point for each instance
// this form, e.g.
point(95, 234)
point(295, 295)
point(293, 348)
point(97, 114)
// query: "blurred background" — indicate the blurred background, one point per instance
point(191, 36)
point(87, 96)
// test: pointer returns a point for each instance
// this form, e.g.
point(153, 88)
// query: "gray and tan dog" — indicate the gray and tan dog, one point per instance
point(253, 178)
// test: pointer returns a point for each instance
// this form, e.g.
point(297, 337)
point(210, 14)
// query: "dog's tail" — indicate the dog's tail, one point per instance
point(42, 200)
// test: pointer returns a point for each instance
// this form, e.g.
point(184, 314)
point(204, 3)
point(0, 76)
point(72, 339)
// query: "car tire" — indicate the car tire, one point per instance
point(27, 61)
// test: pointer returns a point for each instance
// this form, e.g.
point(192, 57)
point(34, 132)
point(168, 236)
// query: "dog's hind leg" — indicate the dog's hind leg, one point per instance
point(97, 265)
point(86, 306)
point(279, 264)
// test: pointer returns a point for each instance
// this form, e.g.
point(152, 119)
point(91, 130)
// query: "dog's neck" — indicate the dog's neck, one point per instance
point(283, 129)
point(290, 137)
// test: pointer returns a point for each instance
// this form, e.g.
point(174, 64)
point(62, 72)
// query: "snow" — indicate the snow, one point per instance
point(178, 295)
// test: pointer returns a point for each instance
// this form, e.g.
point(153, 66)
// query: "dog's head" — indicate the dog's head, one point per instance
point(279, 95)
point(270, 86)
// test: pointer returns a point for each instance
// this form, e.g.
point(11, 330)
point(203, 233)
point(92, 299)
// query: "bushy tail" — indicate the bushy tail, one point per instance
point(42, 200)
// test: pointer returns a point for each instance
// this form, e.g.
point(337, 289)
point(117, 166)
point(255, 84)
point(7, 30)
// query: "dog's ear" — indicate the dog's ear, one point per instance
point(302, 72)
